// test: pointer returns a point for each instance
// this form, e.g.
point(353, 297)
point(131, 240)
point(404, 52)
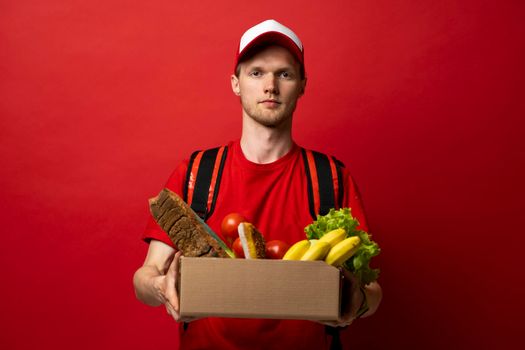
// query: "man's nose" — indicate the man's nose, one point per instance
point(270, 85)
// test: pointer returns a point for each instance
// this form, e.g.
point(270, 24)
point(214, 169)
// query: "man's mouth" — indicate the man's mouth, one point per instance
point(270, 102)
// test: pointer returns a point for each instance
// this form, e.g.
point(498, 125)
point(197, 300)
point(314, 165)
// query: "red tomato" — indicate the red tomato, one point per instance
point(276, 249)
point(229, 226)
point(237, 248)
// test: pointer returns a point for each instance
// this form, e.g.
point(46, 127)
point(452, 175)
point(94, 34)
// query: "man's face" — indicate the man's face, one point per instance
point(269, 85)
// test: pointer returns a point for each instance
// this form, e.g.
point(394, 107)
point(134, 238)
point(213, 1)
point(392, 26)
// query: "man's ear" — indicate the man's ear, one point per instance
point(235, 85)
point(303, 86)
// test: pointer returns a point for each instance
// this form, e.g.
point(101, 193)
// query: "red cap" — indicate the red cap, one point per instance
point(267, 33)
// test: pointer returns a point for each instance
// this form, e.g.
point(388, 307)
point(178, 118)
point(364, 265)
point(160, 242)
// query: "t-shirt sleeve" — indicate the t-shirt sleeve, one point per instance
point(352, 199)
point(175, 183)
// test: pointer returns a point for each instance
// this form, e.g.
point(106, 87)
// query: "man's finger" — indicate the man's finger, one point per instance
point(336, 323)
point(174, 266)
point(171, 282)
point(172, 311)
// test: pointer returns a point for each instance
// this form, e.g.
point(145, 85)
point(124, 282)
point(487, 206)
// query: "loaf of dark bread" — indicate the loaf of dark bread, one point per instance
point(183, 227)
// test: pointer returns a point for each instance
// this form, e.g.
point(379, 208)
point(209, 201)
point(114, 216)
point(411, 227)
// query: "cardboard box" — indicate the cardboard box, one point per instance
point(266, 288)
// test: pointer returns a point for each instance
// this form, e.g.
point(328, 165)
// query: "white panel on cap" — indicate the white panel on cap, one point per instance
point(268, 26)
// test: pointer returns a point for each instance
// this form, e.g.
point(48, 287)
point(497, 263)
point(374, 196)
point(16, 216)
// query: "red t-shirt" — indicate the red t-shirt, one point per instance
point(274, 198)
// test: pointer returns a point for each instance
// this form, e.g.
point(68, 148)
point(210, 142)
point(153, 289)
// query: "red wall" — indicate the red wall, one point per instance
point(422, 99)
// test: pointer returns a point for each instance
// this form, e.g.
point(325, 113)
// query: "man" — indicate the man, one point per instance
point(264, 178)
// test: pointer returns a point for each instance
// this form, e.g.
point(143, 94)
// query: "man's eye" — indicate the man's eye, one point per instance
point(284, 75)
point(255, 73)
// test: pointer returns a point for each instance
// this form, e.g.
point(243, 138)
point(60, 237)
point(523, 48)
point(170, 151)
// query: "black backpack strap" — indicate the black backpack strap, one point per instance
point(336, 337)
point(324, 182)
point(325, 191)
point(203, 179)
point(340, 181)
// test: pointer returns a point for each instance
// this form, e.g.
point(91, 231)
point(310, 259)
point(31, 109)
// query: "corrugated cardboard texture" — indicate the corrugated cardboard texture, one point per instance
point(259, 289)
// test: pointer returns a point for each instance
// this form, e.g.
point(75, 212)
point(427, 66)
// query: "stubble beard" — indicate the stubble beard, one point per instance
point(268, 118)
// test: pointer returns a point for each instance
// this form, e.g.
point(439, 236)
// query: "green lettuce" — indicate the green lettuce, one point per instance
point(359, 264)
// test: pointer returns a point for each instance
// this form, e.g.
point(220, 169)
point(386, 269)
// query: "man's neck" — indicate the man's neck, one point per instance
point(264, 145)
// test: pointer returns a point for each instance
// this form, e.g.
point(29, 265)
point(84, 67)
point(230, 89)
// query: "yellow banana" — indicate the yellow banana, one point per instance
point(343, 251)
point(317, 252)
point(297, 250)
point(333, 237)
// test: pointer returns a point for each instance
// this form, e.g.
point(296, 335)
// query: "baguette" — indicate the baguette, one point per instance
point(183, 227)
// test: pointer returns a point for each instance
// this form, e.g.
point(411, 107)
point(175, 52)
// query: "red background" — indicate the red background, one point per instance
point(423, 100)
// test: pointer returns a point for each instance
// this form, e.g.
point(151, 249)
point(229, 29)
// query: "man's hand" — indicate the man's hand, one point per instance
point(156, 281)
point(166, 287)
point(352, 297)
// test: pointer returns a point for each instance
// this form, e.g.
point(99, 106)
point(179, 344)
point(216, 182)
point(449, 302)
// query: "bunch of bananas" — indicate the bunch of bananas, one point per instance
point(333, 248)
